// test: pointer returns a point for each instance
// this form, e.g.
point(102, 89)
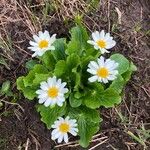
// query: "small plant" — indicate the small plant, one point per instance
point(71, 81)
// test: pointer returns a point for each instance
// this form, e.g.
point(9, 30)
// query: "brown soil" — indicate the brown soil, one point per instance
point(21, 127)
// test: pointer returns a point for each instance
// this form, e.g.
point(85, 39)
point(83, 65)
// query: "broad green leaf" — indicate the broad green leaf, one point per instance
point(20, 83)
point(74, 102)
point(29, 93)
point(60, 46)
point(109, 98)
point(128, 73)
point(118, 84)
point(50, 114)
point(5, 87)
point(48, 60)
point(40, 77)
point(38, 69)
point(77, 81)
point(28, 80)
point(78, 41)
point(91, 99)
point(88, 123)
point(60, 68)
point(122, 61)
point(73, 61)
point(30, 64)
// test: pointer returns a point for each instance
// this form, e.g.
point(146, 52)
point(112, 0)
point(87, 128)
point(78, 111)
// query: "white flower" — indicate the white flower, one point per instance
point(102, 41)
point(52, 92)
point(62, 127)
point(103, 70)
point(42, 43)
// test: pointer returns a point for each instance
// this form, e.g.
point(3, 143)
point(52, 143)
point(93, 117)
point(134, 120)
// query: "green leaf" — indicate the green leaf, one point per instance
point(3, 62)
point(50, 114)
point(20, 83)
point(77, 83)
point(118, 84)
point(73, 61)
point(78, 41)
point(30, 64)
point(122, 61)
point(48, 60)
point(38, 69)
point(74, 102)
point(60, 46)
point(91, 99)
point(5, 87)
point(109, 98)
point(88, 123)
point(60, 68)
point(128, 73)
point(29, 93)
point(40, 77)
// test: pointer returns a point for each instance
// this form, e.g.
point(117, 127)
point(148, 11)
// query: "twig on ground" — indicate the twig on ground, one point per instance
point(27, 144)
point(98, 144)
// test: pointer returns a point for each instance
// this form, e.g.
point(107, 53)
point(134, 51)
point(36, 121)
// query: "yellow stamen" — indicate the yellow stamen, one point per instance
point(53, 92)
point(43, 44)
point(64, 127)
point(102, 72)
point(101, 43)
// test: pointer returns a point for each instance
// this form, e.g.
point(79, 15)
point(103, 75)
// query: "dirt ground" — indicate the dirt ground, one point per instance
point(128, 21)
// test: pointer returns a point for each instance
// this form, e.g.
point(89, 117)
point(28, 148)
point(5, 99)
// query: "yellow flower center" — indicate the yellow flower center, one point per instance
point(64, 127)
point(53, 92)
point(43, 44)
point(101, 43)
point(102, 72)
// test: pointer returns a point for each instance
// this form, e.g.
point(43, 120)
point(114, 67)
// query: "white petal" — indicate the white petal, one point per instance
point(59, 103)
point(56, 135)
point(52, 48)
point(92, 71)
point(93, 65)
point(101, 61)
point(34, 49)
point(42, 100)
point(110, 45)
point(95, 36)
point(103, 50)
point(39, 92)
point(33, 43)
point(104, 80)
point(52, 39)
point(99, 79)
point(91, 42)
point(66, 138)
point(102, 34)
point(41, 35)
point(114, 72)
point(44, 86)
point(43, 95)
point(47, 103)
point(67, 118)
point(60, 138)
point(73, 132)
point(36, 38)
point(93, 79)
point(111, 77)
point(96, 47)
point(40, 53)
point(107, 36)
point(35, 54)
